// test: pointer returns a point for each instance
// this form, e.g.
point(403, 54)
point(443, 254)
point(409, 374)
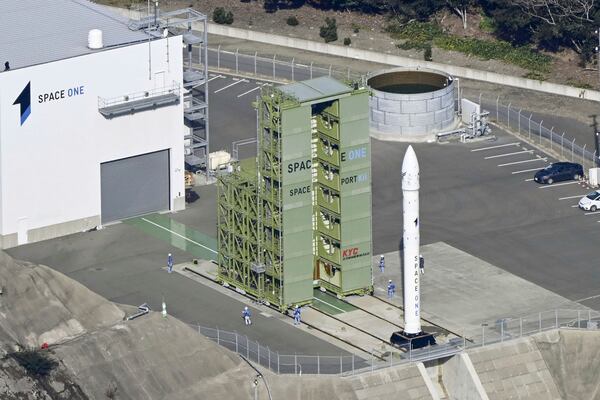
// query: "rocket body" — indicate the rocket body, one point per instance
point(411, 241)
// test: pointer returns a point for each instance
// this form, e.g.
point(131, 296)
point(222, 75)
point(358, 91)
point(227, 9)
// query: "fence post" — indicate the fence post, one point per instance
point(277, 363)
point(352, 363)
point(258, 351)
point(199, 331)
point(480, 99)
point(218, 57)
point(572, 149)
point(530, 126)
point(236, 61)
point(295, 363)
point(329, 69)
point(311, 69)
point(341, 364)
point(247, 349)
point(498, 109)
point(502, 330)
point(372, 362)
point(318, 365)
point(274, 55)
point(519, 124)
point(562, 145)
point(292, 69)
point(236, 343)
point(551, 135)
point(520, 327)
point(508, 115)
point(583, 156)
point(540, 322)
point(269, 350)
point(255, 56)
point(556, 318)
point(348, 73)
point(218, 336)
point(579, 318)
point(541, 123)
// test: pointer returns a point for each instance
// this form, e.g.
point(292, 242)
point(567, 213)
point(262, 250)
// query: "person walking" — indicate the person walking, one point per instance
point(382, 263)
point(246, 315)
point(297, 315)
point(391, 289)
point(170, 263)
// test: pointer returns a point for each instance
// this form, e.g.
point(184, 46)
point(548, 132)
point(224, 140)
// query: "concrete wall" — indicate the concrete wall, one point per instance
point(514, 370)
point(460, 379)
point(50, 163)
point(383, 58)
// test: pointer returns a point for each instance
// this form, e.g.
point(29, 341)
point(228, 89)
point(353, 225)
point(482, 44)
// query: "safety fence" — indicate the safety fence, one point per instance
point(491, 332)
point(522, 123)
point(274, 67)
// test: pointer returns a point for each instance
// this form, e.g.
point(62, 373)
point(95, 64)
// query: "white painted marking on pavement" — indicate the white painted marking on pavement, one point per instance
point(508, 154)
point(528, 180)
point(557, 184)
point(576, 205)
point(592, 213)
point(525, 170)
point(571, 197)
point(524, 161)
point(330, 305)
point(177, 234)
point(249, 91)
point(228, 86)
point(215, 77)
point(495, 147)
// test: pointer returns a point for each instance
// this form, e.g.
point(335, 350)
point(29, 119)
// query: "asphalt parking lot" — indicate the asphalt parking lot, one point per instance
point(477, 197)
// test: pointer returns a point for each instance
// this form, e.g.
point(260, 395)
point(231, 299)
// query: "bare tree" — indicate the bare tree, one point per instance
point(460, 7)
point(550, 11)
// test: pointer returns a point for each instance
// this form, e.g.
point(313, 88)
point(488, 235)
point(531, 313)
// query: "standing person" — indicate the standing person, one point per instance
point(382, 263)
point(391, 289)
point(246, 314)
point(297, 312)
point(170, 263)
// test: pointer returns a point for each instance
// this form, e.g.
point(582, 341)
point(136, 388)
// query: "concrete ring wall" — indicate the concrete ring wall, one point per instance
point(411, 116)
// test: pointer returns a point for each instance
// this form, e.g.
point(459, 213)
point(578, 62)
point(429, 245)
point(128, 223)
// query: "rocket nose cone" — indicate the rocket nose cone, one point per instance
point(410, 163)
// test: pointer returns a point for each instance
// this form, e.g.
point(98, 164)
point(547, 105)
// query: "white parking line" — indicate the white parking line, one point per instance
point(508, 154)
point(496, 147)
point(575, 205)
point(557, 184)
point(252, 90)
point(528, 180)
point(592, 213)
point(215, 77)
point(228, 86)
point(524, 161)
point(572, 197)
point(525, 170)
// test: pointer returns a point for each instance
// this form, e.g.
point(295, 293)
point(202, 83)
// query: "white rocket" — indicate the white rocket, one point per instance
point(410, 235)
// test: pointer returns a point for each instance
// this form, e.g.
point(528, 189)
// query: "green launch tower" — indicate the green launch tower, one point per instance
point(299, 216)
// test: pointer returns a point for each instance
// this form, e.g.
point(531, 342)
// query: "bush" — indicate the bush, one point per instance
point(413, 45)
point(486, 24)
point(36, 362)
point(347, 41)
point(427, 56)
point(222, 16)
point(415, 31)
point(292, 21)
point(329, 31)
point(535, 75)
point(355, 27)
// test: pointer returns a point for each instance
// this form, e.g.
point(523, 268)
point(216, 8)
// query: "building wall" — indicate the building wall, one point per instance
point(50, 164)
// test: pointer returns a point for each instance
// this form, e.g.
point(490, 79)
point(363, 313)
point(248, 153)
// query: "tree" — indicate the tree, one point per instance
point(329, 30)
point(552, 11)
point(221, 16)
point(460, 7)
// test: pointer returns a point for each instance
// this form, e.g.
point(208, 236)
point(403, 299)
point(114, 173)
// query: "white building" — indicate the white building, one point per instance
point(87, 137)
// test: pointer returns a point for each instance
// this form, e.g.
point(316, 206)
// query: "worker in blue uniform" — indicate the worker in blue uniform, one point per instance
point(381, 263)
point(297, 312)
point(246, 314)
point(391, 289)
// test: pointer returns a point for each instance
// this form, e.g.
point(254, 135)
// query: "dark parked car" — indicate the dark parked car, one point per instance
point(559, 171)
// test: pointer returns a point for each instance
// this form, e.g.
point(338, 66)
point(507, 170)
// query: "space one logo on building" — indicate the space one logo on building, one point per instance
point(24, 99)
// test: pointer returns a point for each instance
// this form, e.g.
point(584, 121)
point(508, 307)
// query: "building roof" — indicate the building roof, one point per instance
point(39, 31)
point(314, 89)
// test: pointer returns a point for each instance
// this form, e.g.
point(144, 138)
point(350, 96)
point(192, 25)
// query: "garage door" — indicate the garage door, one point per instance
point(135, 186)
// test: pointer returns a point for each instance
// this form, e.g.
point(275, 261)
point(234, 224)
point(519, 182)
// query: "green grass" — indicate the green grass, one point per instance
point(417, 35)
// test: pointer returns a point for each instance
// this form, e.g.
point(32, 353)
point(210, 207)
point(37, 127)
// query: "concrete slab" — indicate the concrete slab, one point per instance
point(460, 292)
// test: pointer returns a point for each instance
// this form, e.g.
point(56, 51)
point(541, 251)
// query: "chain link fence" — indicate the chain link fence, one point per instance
point(491, 332)
point(275, 67)
point(522, 123)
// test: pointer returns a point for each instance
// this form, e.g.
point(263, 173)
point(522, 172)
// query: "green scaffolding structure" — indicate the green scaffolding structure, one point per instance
point(299, 215)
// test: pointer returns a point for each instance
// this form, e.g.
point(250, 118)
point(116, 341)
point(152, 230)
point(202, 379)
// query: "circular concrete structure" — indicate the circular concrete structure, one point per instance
point(409, 104)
